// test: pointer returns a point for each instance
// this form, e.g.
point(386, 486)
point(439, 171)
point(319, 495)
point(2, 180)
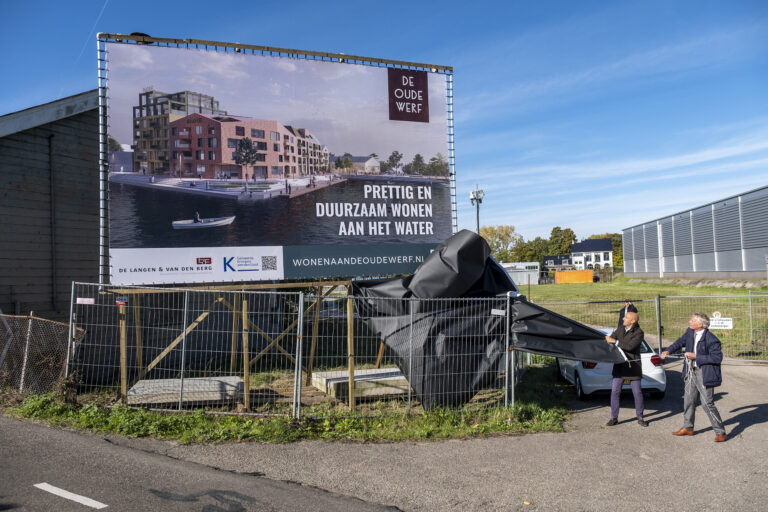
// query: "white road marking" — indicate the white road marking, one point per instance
point(88, 502)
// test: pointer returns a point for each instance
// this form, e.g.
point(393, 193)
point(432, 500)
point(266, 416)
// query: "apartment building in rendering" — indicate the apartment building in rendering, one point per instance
point(206, 146)
point(151, 120)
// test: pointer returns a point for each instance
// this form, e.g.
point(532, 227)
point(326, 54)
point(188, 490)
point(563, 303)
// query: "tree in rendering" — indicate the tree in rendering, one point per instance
point(245, 154)
point(438, 166)
point(347, 162)
point(394, 160)
point(113, 144)
point(418, 165)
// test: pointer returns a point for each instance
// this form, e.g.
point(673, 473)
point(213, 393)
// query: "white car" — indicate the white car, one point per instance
point(590, 377)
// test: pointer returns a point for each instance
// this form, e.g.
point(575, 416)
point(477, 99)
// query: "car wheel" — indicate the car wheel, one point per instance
point(657, 395)
point(579, 390)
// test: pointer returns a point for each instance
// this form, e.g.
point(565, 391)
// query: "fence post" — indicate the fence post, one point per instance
point(235, 318)
point(507, 361)
point(297, 381)
point(71, 333)
point(123, 356)
point(246, 360)
point(351, 348)
point(183, 348)
point(315, 327)
point(659, 327)
point(750, 317)
point(410, 356)
point(26, 353)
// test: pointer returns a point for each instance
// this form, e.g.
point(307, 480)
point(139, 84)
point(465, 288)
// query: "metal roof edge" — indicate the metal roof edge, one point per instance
point(48, 112)
point(695, 208)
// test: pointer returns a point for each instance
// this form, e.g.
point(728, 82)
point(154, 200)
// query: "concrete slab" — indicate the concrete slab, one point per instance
point(201, 389)
point(376, 382)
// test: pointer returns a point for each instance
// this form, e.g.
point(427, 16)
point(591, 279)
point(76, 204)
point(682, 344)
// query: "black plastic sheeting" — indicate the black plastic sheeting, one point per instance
point(449, 350)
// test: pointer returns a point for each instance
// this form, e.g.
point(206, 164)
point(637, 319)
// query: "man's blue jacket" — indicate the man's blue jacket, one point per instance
point(708, 355)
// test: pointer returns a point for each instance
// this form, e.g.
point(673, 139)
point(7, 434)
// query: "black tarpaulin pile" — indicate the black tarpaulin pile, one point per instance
point(449, 349)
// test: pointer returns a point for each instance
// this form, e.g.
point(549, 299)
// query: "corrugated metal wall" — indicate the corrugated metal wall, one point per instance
point(49, 228)
point(726, 236)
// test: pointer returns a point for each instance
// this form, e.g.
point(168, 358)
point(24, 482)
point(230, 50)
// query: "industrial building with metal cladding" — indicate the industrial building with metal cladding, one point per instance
point(49, 168)
point(724, 239)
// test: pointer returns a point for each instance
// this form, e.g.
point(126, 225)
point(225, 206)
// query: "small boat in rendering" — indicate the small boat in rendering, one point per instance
point(203, 223)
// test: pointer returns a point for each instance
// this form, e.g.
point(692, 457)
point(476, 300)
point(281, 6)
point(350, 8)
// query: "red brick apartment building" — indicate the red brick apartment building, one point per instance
point(204, 145)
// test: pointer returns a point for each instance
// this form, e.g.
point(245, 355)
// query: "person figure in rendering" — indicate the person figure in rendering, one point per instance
point(628, 338)
point(701, 374)
point(628, 306)
point(197, 218)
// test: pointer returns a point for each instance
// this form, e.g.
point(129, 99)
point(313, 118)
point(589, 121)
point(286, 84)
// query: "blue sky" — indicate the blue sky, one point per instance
point(589, 115)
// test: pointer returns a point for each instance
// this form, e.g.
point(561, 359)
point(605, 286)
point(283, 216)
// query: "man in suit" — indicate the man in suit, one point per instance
point(628, 307)
point(628, 338)
point(701, 372)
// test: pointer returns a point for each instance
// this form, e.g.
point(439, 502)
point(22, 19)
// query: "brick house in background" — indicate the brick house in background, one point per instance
point(205, 145)
point(592, 254)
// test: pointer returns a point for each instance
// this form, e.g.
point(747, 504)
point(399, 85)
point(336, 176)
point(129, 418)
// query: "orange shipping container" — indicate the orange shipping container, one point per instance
point(573, 276)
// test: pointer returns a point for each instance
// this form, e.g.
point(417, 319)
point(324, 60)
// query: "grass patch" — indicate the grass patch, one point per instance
point(748, 339)
point(620, 288)
point(540, 406)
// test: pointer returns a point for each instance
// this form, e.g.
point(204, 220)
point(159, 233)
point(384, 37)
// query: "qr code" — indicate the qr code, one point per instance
point(269, 262)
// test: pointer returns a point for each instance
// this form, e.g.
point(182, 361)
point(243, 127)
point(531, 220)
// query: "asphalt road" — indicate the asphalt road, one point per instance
point(590, 467)
point(131, 478)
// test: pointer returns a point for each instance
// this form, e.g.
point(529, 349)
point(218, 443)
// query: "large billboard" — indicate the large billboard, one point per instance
point(233, 164)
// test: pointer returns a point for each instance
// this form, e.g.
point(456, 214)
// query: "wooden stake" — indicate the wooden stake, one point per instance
point(381, 355)
point(246, 361)
point(137, 326)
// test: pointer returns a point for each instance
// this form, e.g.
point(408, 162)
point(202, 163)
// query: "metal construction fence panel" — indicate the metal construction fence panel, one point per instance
point(173, 348)
point(327, 353)
point(739, 321)
point(287, 353)
point(605, 314)
point(432, 354)
point(32, 353)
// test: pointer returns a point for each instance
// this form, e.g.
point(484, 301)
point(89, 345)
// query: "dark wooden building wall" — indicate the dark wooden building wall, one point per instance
point(48, 240)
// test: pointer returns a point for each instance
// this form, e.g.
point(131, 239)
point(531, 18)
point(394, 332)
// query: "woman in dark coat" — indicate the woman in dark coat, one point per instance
point(628, 338)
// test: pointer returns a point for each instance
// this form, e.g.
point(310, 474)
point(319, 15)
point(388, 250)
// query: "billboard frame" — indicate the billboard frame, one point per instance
point(219, 46)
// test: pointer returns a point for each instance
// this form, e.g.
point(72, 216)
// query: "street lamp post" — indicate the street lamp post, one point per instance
point(476, 196)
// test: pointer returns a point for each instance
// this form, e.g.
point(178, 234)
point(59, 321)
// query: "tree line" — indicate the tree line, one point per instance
point(436, 166)
point(508, 246)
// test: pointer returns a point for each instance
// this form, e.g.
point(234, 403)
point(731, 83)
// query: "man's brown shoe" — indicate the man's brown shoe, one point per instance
point(684, 432)
point(719, 438)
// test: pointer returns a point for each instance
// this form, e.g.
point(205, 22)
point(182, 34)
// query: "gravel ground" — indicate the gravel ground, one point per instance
point(590, 467)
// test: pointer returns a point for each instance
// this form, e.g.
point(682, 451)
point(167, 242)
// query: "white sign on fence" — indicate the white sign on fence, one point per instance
point(721, 323)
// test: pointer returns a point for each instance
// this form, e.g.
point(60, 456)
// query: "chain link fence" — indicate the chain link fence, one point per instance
point(33, 353)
